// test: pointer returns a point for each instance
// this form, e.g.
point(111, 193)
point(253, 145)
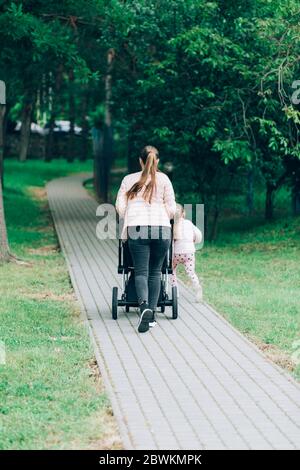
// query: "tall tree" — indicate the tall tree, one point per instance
point(33, 43)
point(4, 249)
point(26, 119)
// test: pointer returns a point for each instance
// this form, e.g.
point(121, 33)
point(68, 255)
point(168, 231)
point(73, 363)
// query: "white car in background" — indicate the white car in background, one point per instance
point(34, 128)
point(60, 126)
point(63, 127)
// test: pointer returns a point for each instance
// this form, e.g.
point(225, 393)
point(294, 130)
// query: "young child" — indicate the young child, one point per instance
point(186, 234)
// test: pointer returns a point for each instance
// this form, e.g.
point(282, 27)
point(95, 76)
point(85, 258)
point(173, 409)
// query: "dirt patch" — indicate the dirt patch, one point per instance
point(44, 250)
point(111, 439)
point(70, 297)
point(38, 193)
point(104, 421)
point(273, 353)
point(95, 372)
point(101, 424)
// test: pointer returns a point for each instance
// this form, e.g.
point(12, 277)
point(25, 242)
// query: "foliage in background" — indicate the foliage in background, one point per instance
point(211, 84)
point(208, 82)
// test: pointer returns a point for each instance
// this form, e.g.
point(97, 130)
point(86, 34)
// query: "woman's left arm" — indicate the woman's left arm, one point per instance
point(121, 201)
point(169, 198)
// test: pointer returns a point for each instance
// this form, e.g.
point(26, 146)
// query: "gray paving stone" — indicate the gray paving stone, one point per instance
point(193, 383)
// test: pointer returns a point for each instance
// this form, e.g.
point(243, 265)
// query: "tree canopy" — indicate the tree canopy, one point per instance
point(210, 83)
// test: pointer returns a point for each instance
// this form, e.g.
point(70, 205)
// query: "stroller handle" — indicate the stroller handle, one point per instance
point(170, 264)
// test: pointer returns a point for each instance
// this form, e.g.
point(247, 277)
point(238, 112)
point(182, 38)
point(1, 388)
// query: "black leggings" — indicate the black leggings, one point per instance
point(148, 246)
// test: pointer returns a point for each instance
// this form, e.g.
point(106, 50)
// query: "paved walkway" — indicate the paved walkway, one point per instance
point(190, 383)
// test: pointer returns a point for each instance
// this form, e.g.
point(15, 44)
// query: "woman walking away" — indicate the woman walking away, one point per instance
point(146, 201)
point(186, 234)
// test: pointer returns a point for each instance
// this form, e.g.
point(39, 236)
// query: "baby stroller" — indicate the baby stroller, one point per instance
point(128, 296)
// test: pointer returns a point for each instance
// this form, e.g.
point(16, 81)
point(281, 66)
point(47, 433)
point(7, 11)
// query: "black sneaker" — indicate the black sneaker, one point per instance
point(145, 318)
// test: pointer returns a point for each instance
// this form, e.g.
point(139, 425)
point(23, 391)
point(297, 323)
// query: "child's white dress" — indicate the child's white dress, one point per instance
point(185, 236)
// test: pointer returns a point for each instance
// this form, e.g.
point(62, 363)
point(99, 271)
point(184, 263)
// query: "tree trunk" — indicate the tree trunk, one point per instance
point(85, 128)
point(25, 130)
point(50, 139)
point(269, 206)
point(214, 228)
point(296, 201)
point(106, 155)
point(72, 117)
point(4, 249)
point(97, 136)
point(205, 222)
point(250, 192)
point(2, 114)
point(132, 161)
point(5, 147)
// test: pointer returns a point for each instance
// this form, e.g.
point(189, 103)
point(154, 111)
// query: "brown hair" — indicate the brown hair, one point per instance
point(149, 156)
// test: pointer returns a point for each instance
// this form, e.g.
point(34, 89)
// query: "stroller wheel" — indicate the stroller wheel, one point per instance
point(114, 306)
point(174, 303)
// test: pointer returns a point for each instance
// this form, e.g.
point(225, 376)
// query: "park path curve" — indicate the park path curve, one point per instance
point(190, 383)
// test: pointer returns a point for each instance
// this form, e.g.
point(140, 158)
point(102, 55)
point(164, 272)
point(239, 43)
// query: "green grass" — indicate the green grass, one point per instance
point(51, 395)
point(251, 275)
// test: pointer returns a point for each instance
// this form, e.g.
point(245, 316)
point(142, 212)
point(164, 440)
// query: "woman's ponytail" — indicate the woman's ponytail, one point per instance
point(149, 156)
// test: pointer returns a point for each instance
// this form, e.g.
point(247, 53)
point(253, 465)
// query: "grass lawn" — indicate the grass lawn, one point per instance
point(251, 275)
point(51, 394)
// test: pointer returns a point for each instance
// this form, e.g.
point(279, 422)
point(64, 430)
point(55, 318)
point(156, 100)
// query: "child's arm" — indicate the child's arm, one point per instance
point(197, 234)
